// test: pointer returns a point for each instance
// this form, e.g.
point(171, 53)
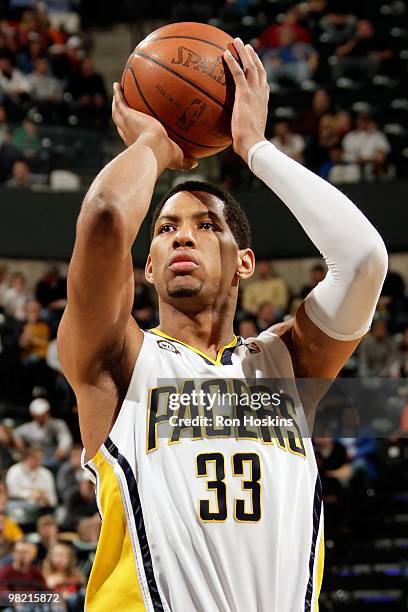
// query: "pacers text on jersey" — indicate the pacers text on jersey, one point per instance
point(195, 415)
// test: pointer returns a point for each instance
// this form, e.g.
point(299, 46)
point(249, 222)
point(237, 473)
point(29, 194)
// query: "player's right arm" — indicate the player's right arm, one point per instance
point(98, 341)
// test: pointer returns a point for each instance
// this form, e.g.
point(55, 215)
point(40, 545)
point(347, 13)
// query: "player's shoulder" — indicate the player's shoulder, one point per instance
point(277, 339)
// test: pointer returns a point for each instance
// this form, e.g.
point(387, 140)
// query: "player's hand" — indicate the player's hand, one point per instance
point(251, 98)
point(134, 126)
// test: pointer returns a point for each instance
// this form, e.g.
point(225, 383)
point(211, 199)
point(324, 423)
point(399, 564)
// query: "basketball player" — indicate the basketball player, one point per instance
point(220, 520)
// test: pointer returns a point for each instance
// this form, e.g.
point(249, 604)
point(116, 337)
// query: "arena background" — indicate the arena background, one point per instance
point(346, 118)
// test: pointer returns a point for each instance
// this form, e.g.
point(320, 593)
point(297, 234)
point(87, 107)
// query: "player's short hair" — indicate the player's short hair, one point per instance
point(234, 215)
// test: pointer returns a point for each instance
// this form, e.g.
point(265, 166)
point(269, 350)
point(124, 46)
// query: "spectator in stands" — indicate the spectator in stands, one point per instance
point(10, 536)
point(45, 432)
point(45, 88)
point(85, 545)
point(13, 83)
point(289, 143)
point(338, 27)
point(335, 472)
point(377, 353)
point(271, 37)
point(268, 315)
point(317, 274)
point(22, 574)
point(16, 297)
point(70, 474)
point(367, 146)
point(332, 461)
point(60, 571)
point(88, 531)
point(4, 128)
point(361, 445)
point(29, 56)
point(344, 123)
point(308, 121)
point(51, 292)
point(311, 13)
point(26, 140)
point(266, 288)
point(11, 531)
point(21, 177)
point(48, 531)
point(5, 553)
point(35, 335)
point(66, 59)
point(30, 482)
point(293, 59)
point(247, 326)
point(361, 55)
point(330, 134)
point(337, 171)
point(6, 446)
point(88, 87)
point(34, 26)
point(81, 503)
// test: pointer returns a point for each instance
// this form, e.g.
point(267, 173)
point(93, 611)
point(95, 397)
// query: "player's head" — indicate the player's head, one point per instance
point(200, 246)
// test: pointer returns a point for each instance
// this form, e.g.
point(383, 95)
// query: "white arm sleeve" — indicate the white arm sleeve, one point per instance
point(343, 304)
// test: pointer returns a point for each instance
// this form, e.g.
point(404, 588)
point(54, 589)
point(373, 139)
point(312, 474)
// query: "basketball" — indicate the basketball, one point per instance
point(177, 75)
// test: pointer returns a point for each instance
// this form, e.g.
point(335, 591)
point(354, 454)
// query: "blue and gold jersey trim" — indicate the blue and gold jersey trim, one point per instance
point(224, 353)
point(316, 559)
point(122, 576)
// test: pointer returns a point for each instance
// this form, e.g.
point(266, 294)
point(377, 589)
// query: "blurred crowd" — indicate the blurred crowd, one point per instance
point(49, 522)
point(338, 77)
point(337, 72)
point(47, 76)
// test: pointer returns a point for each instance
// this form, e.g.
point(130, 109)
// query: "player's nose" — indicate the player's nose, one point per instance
point(184, 236)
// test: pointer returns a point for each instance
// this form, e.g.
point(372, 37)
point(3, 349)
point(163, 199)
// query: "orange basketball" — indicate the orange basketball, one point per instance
point(177, 75)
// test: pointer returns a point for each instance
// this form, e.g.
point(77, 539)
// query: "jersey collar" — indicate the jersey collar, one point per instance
point(222, 352)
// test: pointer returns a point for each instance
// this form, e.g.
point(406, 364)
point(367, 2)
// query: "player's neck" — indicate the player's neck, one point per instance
point(206, 331)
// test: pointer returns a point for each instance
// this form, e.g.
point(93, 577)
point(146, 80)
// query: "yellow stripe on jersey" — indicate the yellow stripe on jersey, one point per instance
point(113, 583)
point(216, 361)
point(319, 574)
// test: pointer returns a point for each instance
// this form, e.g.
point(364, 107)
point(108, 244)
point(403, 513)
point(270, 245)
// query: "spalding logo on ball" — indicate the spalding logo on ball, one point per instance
point(177, 75)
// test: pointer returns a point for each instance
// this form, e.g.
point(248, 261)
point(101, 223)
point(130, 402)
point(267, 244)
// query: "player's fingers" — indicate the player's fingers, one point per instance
point(118, 94)
point(235, 69)
point(258, 64)
point(250, 71)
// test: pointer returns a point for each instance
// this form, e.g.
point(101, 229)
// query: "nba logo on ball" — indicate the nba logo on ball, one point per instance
point(187, 88)
point(191, 114)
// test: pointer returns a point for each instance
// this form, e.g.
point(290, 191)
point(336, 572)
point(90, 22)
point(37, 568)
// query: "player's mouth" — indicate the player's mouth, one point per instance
point(182, 263)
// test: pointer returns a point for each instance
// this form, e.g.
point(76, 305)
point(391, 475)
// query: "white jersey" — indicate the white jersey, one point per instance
point(207, 515)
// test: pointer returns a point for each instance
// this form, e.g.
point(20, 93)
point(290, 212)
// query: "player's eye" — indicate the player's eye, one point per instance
point(207, 225)
point(167, 227)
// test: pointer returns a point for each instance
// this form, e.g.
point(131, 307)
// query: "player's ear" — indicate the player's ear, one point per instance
point(149, 270)
point(246, 263)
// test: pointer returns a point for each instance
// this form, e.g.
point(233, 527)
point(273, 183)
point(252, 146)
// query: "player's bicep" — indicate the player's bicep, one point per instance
point(100, 298)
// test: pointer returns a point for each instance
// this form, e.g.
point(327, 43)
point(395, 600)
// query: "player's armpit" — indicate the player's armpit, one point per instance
point(314, 353)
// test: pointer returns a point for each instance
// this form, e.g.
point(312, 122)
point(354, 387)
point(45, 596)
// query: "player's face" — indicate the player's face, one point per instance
point(193, 252)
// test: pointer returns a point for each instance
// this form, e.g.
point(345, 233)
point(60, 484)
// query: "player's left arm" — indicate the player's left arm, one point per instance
point(338, 312)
